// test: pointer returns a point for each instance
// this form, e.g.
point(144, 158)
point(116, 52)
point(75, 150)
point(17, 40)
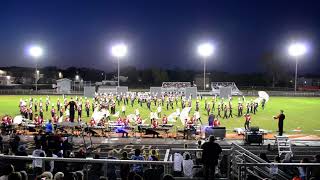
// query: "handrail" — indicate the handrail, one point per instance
point(255, 158)
point(279, 164)
point(87, 160)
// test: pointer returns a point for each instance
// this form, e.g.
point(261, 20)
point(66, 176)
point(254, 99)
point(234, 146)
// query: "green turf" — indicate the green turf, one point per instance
point(303, 113)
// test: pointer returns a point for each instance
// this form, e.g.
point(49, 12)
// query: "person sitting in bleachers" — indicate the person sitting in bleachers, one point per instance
point(187, 165)
point(137, 168)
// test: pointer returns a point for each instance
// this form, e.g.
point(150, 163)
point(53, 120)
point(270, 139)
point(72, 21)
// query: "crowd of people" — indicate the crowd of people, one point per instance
point(294, 172)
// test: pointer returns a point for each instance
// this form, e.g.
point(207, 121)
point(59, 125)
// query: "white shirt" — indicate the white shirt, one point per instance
point(37, 162)
point(177, 164)
point(187, 167)
point(159, 109)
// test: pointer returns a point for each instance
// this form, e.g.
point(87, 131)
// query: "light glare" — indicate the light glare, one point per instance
point(35, 51)
point(119, 50)
point(205, 49)
point(297, 49)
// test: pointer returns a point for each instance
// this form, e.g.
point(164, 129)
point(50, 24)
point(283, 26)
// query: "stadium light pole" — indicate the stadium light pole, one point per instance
point(36, 52)
point(296, 50)
point(205, 50)
point(119, 51)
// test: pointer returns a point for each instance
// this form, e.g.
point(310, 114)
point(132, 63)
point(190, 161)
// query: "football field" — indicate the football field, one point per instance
point(302, 113)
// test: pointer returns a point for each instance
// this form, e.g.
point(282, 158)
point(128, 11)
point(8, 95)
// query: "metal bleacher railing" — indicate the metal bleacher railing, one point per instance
point(245, 167)
point(87, 161)
point(241, 155)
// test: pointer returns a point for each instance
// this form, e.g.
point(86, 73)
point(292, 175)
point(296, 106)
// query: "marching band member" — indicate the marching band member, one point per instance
point(164, 119)
point(47, 103)
point(139, 120)
point(53, 111)
point(37, 120)
point(154, 123)
point(6, 120)
point(216, 123)
point(88, 107)
point(92, 122)
point(247, 122)
point(119, 121)
point(30, 114)
point(41, 113)
point(159, 111)
point(123, 110)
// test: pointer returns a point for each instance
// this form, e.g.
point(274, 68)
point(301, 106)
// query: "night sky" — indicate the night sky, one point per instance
point(159, 33)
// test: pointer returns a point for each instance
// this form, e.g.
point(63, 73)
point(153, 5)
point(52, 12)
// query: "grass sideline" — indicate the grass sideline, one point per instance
point(301, 112)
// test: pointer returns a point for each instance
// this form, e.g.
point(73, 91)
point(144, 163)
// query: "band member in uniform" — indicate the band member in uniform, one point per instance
point(41, 113)
point(280, 118)
point(216, 123)
point(30, 114)
point(139, 120)
point(159, 111)
point(88, 108)
point(123, 110)
point(225, 116)
point(164, 119)
point(61, 112)
point(208, 109)
point(219, 111)
point(79, 112)
point(53, 111)
point(35, 105)
point(255, 107)
point(247, 122)
point(263, 102)
point(47, 103)
point(230, 111)
point(248, 108)
point(58, 105)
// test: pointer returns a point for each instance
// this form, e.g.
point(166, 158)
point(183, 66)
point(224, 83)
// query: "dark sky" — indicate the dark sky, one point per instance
point(159, 33)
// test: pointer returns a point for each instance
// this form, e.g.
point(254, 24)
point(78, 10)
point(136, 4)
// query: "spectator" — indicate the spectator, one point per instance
point(277, 159)
point(14, 143)
point(7, 170)
point(37, 163)
point(124, 168)
point(315, 171)
point(137, 168)
point(177, 164)
point(264, 157)
point(20, 165)
point(111, 168)
point(198, 153)
point(187, 164)
point(47, 175)
point(303, 170)
point(210, 156)
point(289, 170)
point(79, 175)
point(49, 165)
point(58, 176)
point(168, 177)
point(96, 169)
point(1, 144)
point(153, 156)
point(15, 176)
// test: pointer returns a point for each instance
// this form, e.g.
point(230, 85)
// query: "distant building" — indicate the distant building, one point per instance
point(5, 79)
point(308, 81)
point(64, 85)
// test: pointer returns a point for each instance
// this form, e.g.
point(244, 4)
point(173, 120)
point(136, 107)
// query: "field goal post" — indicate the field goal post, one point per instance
point(219, 88)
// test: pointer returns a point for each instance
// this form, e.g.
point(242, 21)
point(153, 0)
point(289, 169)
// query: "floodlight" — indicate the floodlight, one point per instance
point(35, 51)
point(297, 49)
point(119, 50)
point(205, 49)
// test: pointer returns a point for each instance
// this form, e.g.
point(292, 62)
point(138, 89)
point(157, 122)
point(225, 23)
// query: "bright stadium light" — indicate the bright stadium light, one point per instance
point(205, 50)
point(8, 77)
point(119, 51)
point(296, 50)
point(35, 52)
point(77, 77)
point(60, 75)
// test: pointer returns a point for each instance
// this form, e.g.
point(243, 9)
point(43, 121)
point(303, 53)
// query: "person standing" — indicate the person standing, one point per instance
point(280, 118)
point(247, 122)
point(72, 106)
point(210, 156)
